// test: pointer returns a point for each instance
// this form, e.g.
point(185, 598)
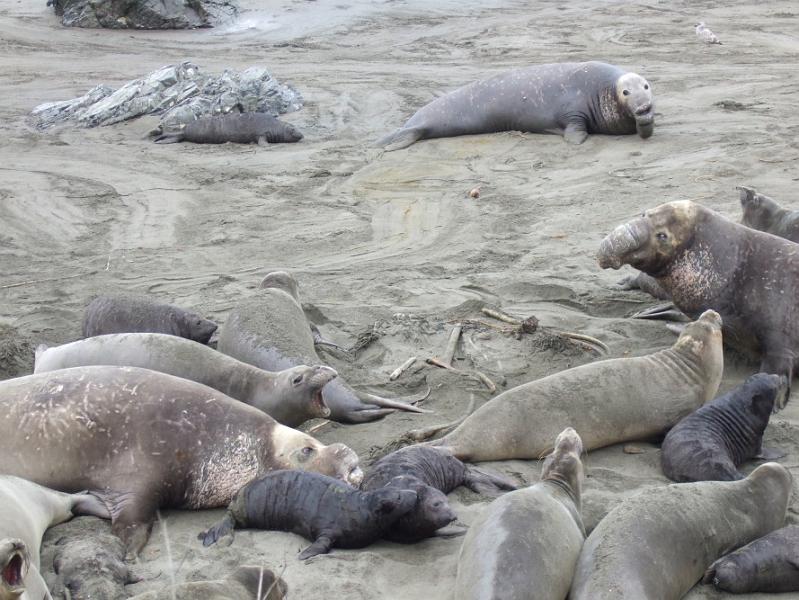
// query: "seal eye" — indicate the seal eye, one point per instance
point(297, 380)
point(661, 236)
point(306, 452)
point(626, 92)
point(646, 86)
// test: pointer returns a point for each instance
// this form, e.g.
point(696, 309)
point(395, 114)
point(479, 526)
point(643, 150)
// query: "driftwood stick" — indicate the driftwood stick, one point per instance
point(500, 316)
point(452, 344)
point(402, 368)
point(32, 281)
point(470, 374)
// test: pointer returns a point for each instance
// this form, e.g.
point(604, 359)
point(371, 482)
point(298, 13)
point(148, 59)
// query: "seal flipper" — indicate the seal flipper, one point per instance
point(223, 529)
point(769, 454)
point(40, 349)
point(665, 312)
point(406, 404)
point(575, 132)
point(401, 138)
point(132, 516)
point(483, 482)
point(366, 416)
point(86, 503)
point(318, 340)
point(710, 573)
point(171, 138)
point(322, 545)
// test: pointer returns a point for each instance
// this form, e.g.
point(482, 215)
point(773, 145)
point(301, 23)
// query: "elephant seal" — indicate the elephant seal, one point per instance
point(238, 128)
point(705, 261)
point(131, 314)
point(709, 444)
point(140, 440)
point(571, 99)
point(658, 543)
point(525, 545)
point(291, 396)
point(271, 332)
point(317, 507)
point(764, 214)
point(245, 583)
point(26, 511)
point(769, 564)
point(607, 402)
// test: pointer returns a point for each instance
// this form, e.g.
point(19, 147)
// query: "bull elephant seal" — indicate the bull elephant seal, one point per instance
point(140, 440)
point(245, 583)
point(711, 443)
point(319, 508)
point(271, 332)
point(26, 511)
point(291, 397)
point(525, 545)
point(131, 314)
point(244, 128)
point(769, 564)
point(607, 402)
point(764, 214)
point(572, 99)
point(658, 543)
point(705, 261)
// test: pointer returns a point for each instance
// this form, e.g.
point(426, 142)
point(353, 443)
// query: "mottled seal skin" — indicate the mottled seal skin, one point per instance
point(140, 440)
point(710, 444)
point(769, 564)
point(572, 99)
point(705, 261)
point(657, 544)
point(291, 396)
point(607, 402)
point(26, 511)
point(764, 214)
point(524, 546)
point(132, 314)
point(319, 508)
point(245, 583)
point(244, 128)
point(271, 332)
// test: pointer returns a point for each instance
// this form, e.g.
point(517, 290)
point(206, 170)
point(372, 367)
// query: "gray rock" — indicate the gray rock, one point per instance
point(144, 14)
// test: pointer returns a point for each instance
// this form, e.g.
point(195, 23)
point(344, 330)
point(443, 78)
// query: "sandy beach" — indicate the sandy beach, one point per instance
point(387, 244)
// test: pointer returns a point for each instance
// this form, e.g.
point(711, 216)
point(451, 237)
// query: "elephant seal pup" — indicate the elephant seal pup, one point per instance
point(764, 214)
point(26, 511)
point(131, 314)
point(607, 402)
point(709, 444)
point(238, 128)
point(245, 583)
point(271, 332)
point(291, 397)
point(571, 99)
point(525, 545)
point(769, 564)
point(140, 440)
point(705, 261)
point(658, 543)
point(319, 508)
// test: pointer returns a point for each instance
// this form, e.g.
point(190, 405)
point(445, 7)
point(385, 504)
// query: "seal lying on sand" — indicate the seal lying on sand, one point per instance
point(130, 314)
point(270, 331)
point(26, 511)
point(607, 402)
point(140, 440)
point(245, 583)
point(291, 396)
point(764, 214)
point(768, 564)
point(705, 261)
point(239, 128)
point(316, 507)
point(525, 545)
point(658, 543)
point(572, 99)
point(711, 443)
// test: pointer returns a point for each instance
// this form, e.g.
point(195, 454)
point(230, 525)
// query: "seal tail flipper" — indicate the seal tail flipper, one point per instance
point(367, 415)
point(710, 573)
point(405, 403)
point(223, 529)
point(401, 138)
point(420, 435)
point(132, 515)
point(769, 454)
point(664, 312)
point(487, 483)
point(86, 503)
point(40, 349)
point(322, 545)
point(170, 138)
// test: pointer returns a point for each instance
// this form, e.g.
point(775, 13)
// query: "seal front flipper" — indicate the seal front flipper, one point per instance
point(223, 529)
point(322, 545)
point(172, 138)
point(769, 454)
point(487, 483)
point(401, 138)
point(132, 515)
point(575, 132)
point(779, 363)
point(663, 312)
point(318, 340)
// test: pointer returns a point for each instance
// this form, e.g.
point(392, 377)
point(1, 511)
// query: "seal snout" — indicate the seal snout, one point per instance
point(617, 244)
point(711, 316)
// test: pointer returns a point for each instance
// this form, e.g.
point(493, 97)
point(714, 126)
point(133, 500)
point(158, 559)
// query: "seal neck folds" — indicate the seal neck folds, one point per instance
point(608, 114)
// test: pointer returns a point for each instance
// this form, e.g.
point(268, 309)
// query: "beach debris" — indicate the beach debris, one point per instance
point(474, 192)
point(395, 374)
point(452, 345)
point(630, 449)
point(144, 14)
point(476, 375)
point(704, 33)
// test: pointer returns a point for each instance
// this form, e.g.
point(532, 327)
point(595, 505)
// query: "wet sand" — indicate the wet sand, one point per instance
point(387, 243)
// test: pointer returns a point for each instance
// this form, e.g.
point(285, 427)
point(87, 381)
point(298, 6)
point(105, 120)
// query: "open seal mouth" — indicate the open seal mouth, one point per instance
point(13, 572)
point(320, 379)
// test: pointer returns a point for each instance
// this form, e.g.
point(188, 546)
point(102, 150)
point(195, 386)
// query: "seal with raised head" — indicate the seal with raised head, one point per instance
point(525, 545)
point(658, 543)
point(571, 99)
point(710, 444)
point(705, 261)
point(607, 402)
point(764, 214)
point(291, 396)
point(769, 564)
point(318, 508)
point(140, 440)
point(26, 511)
point(237, 128)
point(245, 583)
point(271, 332)
point(137, 314)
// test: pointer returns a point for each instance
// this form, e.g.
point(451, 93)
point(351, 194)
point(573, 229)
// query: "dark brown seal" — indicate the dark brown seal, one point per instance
point(764, 214)
point(238, 128)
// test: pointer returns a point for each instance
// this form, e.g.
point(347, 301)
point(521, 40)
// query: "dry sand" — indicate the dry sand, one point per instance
point(388, 238)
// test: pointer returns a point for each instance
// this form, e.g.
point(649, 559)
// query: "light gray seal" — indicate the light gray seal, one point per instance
point(571, 99)
point(244, 128)
point(291, 396)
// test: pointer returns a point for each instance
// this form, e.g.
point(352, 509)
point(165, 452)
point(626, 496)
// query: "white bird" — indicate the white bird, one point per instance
point(704, 34)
